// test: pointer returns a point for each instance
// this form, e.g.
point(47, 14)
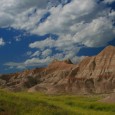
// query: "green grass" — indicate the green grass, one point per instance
point(41, 104)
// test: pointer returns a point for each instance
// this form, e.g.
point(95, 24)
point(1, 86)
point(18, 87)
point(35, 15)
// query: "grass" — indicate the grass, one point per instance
point(40, 104)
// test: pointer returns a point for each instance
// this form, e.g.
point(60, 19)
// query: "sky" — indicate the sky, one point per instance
point(35, 32)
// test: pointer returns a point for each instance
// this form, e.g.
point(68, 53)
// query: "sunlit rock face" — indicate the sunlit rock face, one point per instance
point(94, 74)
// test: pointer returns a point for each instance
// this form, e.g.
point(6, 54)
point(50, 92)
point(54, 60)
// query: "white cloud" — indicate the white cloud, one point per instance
point(39, 62)
point(17, 11)
point(71, 19)
point(85, 21)
point(46, 53)
point(15, 65)
point(37, 53)
point(2, 43)
point(29, 63)
point(79, 23)
point(62, 18)
point(97, 33)
point(43, 44)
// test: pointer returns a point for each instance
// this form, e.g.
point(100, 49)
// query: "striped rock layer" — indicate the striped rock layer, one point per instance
point(94, 74)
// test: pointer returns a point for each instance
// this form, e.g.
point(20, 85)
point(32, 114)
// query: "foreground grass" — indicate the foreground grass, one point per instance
point(41, 104)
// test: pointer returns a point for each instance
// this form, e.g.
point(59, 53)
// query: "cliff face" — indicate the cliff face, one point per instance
point(93, 75)
point(96, 74)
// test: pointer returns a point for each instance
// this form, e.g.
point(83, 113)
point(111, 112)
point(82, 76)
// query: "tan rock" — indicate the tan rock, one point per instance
point(94, 74)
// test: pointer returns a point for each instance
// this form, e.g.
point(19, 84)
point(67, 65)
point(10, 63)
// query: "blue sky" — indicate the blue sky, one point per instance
point(33, 33)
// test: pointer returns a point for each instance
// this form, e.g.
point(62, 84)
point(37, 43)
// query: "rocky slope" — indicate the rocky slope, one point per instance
point(92, 75)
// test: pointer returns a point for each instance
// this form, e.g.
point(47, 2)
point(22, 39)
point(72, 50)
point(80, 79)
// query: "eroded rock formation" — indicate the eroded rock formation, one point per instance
point(92, 75)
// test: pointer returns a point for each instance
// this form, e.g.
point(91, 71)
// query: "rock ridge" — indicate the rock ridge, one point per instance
point(94, 74)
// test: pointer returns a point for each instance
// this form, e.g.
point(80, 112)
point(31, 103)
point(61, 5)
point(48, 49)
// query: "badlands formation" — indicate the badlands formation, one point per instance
point(94, 74)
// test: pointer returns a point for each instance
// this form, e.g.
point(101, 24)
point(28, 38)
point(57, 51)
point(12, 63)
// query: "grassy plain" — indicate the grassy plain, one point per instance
point(40, 104)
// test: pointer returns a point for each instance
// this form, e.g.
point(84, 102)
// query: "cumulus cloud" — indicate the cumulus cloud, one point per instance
point(33, 62)
point(75, 18)
point(46, 53)
point(29, 63)
point(62, 18)
point(42, 44)
point(80, 23)
point(2, 42)
point(37, 53)
point(17, 11)
point(37, 61)
point(97, 33)
point(88, 23)
point(13, 65)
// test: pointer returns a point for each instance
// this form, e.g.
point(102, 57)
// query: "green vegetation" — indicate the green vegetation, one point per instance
point(41, 104)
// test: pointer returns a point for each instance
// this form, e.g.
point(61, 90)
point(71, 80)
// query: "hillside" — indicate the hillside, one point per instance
point(94, 74)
